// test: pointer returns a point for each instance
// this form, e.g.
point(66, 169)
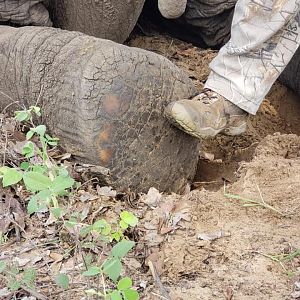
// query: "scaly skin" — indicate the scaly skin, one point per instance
point(104, 100)
point(108, 19)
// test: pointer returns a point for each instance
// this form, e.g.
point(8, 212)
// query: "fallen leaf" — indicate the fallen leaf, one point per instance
point(165, 230)
point(177, 217)
point(106, 191)
point(213, 235)
point(152, 198)
point(207, 156)
point(11, 211)
point(5, 292)
point(56, 256)
point(296, 295)
point(87, 197)
point(21, 262)
point(157, 258)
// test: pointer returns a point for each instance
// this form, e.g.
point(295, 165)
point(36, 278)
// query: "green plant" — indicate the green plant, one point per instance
point(283, 258)
point(252, 203)
point(111, 267)
point(104, 231)
point(123, 291)
point(44, 179)
point(47, 182)
point(15, 278)
point(3, 238)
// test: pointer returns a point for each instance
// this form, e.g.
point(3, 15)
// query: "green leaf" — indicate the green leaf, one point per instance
point(84, 231)
point(92, 292)
point(129, 218)
point(10, 177)
point(40, 130)
point(28, 150)
point(29, 134)
point(14, 284)
point(29, 277)
point(63, 172)
point(101, 226)
point(36, 110)
point(116, 295)
point(89, 245)
point(38, 202)
point(130, 294)
point(123, 224)
point(22, 115)
point(39, 169)
point(122, 248)
point(124, 284)
point(57, 212)
point(117, 236)
point(24, 165)
point(36, 182)
point(112, 268)
point(71, 223)
point(62, 280)
point(88, 259)
point(60, 184)
point(4, 169)
point(2, 266)
point(92, 271)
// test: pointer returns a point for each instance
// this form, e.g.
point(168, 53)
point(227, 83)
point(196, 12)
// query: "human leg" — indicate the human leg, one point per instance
point(265, 35)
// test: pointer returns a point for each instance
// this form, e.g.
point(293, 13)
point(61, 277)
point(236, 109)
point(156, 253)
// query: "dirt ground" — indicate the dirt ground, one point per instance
point(234, 235)
point(261, 165)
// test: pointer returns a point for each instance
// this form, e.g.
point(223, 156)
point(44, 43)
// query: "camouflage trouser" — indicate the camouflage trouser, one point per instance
point(264, 37)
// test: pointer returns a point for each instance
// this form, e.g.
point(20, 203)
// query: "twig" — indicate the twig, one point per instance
point(260, 194)
point(251, 203)
point(158, 282)
point(10, 104)
point(159, 296)
point(5, 148)
point(34, 293)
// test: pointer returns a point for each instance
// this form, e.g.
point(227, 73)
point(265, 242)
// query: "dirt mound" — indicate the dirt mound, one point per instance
point(231, 249)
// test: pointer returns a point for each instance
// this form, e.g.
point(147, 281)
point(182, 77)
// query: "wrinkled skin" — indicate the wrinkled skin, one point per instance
point(105, 101)
point(108, 19)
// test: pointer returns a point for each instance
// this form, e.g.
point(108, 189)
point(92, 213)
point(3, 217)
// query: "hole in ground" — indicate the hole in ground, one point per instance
point(220, 157)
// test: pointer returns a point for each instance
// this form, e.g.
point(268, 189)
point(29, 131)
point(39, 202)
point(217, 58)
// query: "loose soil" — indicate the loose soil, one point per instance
point(236, 235)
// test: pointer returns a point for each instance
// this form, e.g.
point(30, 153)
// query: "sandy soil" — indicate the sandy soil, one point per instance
point(258, 166)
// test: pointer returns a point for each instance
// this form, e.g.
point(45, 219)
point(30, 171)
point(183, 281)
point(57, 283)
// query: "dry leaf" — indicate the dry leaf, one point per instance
point(152, 198)
point(10, 211)
point(213, 235)
point(106, 191)
point(21, 262)
point(56, 256)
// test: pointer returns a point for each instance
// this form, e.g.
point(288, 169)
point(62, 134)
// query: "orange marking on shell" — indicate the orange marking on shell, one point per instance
point(105, 156)
point(104, 140)
point(104, 135)
point(111, 105)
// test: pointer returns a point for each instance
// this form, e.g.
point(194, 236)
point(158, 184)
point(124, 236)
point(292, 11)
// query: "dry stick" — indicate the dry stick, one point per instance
point(159, 296)
point(157, 280)
point(5, 148)
point(7, 106)
point(34, 293)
